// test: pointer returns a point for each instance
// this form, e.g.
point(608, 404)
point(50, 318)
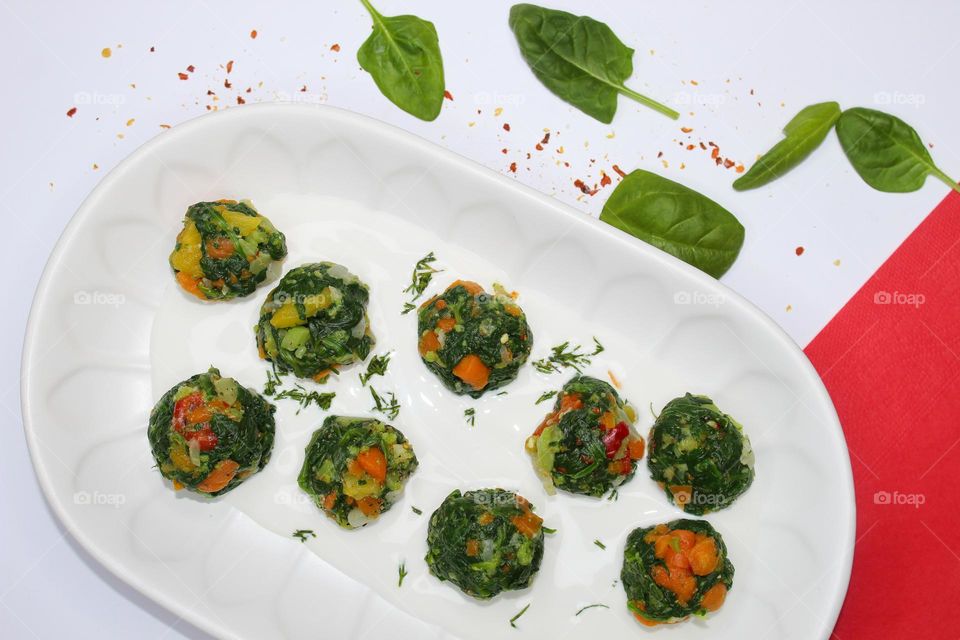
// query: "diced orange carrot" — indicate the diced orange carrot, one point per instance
point(369, 506)
point(679, 581)
point(374, 462)
point(329, 500)
point(471, 370)
point(441, 304)
point(485, 518)
point(714, 597)
point(220, 477)
point(177, 485)
point(642, 619)
point(636, 448)
point(320, 376)
point(528, 524)
point(473, 547)
point(190, 285)
point(428, 342)
point(472, 287)
point(570, 402)
point(219, 248)
point(703, 557)
point(447, 324)
point(199, 415)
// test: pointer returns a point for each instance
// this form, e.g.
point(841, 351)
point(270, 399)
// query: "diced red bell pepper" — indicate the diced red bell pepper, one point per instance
point(613, 438)
point(184, 406)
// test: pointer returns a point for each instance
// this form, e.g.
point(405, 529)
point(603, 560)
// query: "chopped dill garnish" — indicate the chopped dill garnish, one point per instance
point(502, 393)
point(591, 606)
point(471, 416)
point(389, 408)
point(514, 618)
point(420, 280)
point(546, 396)
point(376, 367)
point(273, 381)
point(548, 530)
point(416, 511)
point(407, 308)
point(303, 534)
point(403, 573)
point(306, 398)
point(600, 544)
point(613, 495)
point(563, 356)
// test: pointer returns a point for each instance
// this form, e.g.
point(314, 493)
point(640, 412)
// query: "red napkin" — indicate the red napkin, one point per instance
point(891, 361)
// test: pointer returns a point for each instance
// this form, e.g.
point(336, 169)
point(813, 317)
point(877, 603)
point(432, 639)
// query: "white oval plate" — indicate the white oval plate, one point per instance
point(110, 332)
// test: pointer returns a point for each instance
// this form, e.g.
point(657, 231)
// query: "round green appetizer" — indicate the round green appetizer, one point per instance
point(315, 321)
point(208, 434)
point(675, 569)
point(224, 250)
point(472, 340)
point(485, 541)
point(699, 455)
point(355, 469)
point(587, 444)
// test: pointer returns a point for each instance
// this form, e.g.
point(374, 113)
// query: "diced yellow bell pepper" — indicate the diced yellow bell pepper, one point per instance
point(286, 316)
point(181, 459)
point(187, 257)
point(243, 223)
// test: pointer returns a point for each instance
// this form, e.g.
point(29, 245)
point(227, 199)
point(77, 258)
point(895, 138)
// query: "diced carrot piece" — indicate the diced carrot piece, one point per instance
point(369, 506)
point(473, 547)
point(373, 462)
point(447, 324)
point(220, 477)
point(199, 415)
point(528, 524)
point(608, 420)
point(177, 485)
point(219, 248)
point(636, 448)
point(485, 518)
point(703, 557)
point(329, 500)
point(190, 285)
point(428, 342)
point(427, 303)
point(320, 376)
point(678, 581)
point(622, 467)
point(570, 402)
point(471, 370)
point(472, 287)
point(714, 597)
point(513, 310)
point(687, 538)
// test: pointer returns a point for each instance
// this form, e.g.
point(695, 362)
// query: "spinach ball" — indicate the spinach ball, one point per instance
point(315, 321)
point(675, 569)
point(485, 541)
point(208, 434)
point(474, 341)
point(699, 455)
point(587, 444)
point(224, 250)
point(355, 469)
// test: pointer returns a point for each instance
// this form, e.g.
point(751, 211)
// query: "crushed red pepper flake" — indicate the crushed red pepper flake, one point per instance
point(153, 49)
point(619, 171)
point(335, 47)
point(740, 168)
point(253, 34)
point(513, 167)
point(605, 180)
point(503, 151)
point(303, 89)
point(71, 112)
point(579, 184)
point(546, 138)
point(240, 100)
point(686, 129)
point(183, 76)
point(506, 126)
point(799, 251)
point(191, 69)
point(229, 66)
point(226, 84)
point(539, 147)
point(660, 154)
point(164, 126)
point(448, 95)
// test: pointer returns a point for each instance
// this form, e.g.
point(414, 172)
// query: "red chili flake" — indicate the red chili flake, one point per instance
point(240, 100)
point(539, 147)
point(183, 76)
point(686, 129)
point(503, 151)
point(619, 171)
point(506, 127)
point(751, 91)
point(703, 146)
point(546, 138)
point(579, 184)
point(210, 92)
point(513, 167)
point(660, 154)
point(448, 95)
point(226, 84)
point(253, 34)
point(799, 251)
point(303, 89)
point(71, 111)
point(191, 69)
point(249, 89)
point(152, 49)
point(690, 147)
point(164, 126)
point(728, 163)
point(335, 47)
point(715, 154)
point(229, 66)
point(605, 180)
point(740, 168)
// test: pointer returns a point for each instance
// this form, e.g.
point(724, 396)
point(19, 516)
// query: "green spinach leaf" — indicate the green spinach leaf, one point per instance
point(403, 56)
point(676, 219)
point(578, 58)
point(887, 152)
point(804, 133)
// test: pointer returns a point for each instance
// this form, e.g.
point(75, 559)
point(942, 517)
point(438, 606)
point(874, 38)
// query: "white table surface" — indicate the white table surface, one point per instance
point(737, 70)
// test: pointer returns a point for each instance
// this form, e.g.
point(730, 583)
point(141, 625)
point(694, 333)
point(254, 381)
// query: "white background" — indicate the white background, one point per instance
point(737, 70)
